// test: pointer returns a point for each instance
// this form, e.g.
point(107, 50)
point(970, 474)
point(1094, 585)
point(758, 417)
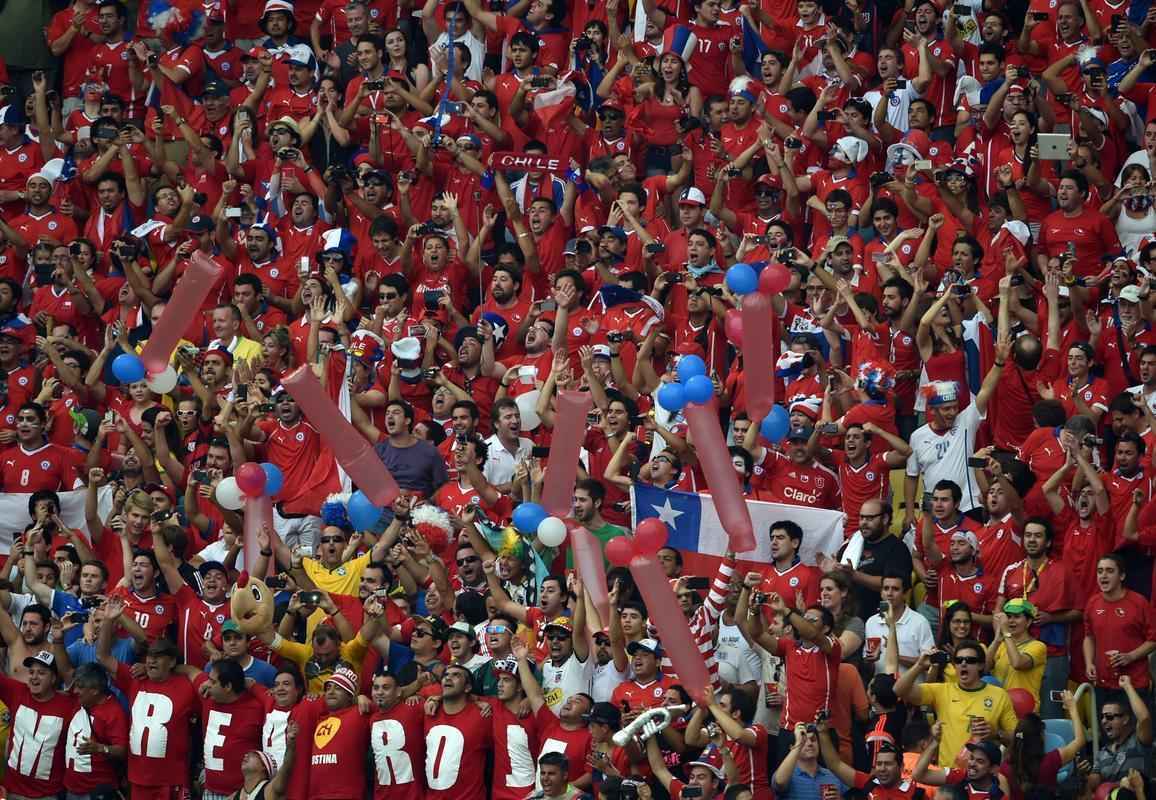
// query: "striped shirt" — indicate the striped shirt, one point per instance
point(704, 621)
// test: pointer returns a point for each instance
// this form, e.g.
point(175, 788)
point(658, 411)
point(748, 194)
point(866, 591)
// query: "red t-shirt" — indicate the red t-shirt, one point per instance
point(1119, 626)
point(456, 749)
point(814, 676)
point(230, 731)
point(340, 742)
point(35, 749)
point(1000, 545)
point(515, 753)
point(197, 622)
point(106, 723)
point(799, 578)
point(869, 481)
point(47, 467)
point(1092, 233)
point(801, 484)
point(158, 741)
point(155, 614)
point(397, 741)
point(553, 738)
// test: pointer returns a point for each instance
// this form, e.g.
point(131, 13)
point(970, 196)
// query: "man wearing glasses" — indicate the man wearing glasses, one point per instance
point(967, 707)
point(1127, 727)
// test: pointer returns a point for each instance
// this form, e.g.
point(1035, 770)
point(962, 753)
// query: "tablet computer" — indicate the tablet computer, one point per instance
point(1053, 146)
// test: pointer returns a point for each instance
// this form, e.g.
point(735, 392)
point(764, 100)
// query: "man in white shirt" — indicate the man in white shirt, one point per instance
point(568, 669)
point(940, 449)
point(506, 446)
point(912, 630)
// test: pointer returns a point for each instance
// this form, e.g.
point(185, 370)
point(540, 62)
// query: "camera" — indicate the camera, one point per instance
point(77, 616)
point(900, 83)
point(275, 582)
point(879, 179)
point(264, 407)
point(1093, 441)
point(961, 11)
point(539, 82)
point(201, 476)
point(687, 122)
point(310, 598)
point(104, 132)
point(976, 463)
point(940, 658)
point(615, 337)
point(287, 153)
point(431, 298)
point(733, 172)
point(758, 598)
point(583, 42)
point(91, 602)
point(427, 229)
point(429, 373)
point(792, 143)
point(375, 86)
point(454, 107)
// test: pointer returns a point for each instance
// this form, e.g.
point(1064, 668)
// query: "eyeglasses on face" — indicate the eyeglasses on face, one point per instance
point(971, 660)
point(420, 633)
point(497, 629)
point(331, 540)
point(557, 637)
point(468, 560)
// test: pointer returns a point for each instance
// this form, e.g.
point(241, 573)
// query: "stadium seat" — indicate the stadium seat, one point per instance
point(1060, 727)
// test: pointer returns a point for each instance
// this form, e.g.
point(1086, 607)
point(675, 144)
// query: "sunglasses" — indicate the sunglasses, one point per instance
point(765, 192)
point(556, 637)
point(391, 296)
point(331, 540)
point(1110, 717)
point(972, 660)
point(497, 628)
point(468, 560)
point(419, 633)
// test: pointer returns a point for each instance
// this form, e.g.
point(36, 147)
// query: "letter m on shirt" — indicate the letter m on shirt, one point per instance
point(34, 742)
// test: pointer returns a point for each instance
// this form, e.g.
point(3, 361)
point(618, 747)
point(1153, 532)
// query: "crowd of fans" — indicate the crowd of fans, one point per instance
point(452, 212)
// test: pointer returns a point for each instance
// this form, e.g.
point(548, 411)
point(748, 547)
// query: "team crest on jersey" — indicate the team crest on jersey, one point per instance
point(794, 581)
point(220, 619)
point(46, 465)
point(805, 478)
point(225, 66)
point(1119, 612)
point(124, 55)
point(159, 608)
point(273, 273)
point(933, 151)
point(1087, 395)
point(620, 146)
point(870, 476)
point(52, 225)
point(374, 12)
point(575, 331)
point(23, 380)
point(300, 436)
point(22, 157)
point(658, 691)
point(906, 249)
point(977, 588)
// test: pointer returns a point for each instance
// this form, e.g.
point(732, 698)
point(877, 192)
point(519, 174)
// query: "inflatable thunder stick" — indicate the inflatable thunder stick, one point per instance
point(565, 448)
point(666, 615)
point(349, 447)
point(258, 514)
point(591, 569)
point(185, 303)
point(758, 366)
point(715, 459)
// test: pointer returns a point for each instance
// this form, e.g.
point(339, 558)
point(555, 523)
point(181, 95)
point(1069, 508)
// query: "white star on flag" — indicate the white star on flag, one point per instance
point(667, 513)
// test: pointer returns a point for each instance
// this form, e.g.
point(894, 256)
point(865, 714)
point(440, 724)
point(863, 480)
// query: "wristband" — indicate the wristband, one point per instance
point(266, 553)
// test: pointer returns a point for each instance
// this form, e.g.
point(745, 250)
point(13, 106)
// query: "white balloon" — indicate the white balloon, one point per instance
point(551, 532)
point(229, 494)
point(527, 403)
point(163, 382)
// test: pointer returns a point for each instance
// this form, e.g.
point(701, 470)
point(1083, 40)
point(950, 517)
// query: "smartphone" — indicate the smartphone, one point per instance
point(306, 550)
point(201, 476)
point(977, 463)
point(416, 331)
point(697, 584)
point(242, 392)
point(160, 516)
point(654, 248)
point(429, 373)
point(432, 296)
point(941, 658)
point(310, 598)
point(232, 213)
point(374, 86)
point(303, 266)
point(829, 428)
point(454, 108)
point(539, 82)
point(961, 11)
point(826, 116)
point(592, 418)
point(1117, 21)
point(1040, 16)
point(880, 258)
point(919, 166)
point(884, 606)
point(549, 305)
point(1056, 697)
point(792, 143)
point(275, 582)
point(540, 452)
point(264, 407)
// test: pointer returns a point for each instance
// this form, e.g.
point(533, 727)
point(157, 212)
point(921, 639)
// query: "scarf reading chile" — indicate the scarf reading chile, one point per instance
point(527, 162)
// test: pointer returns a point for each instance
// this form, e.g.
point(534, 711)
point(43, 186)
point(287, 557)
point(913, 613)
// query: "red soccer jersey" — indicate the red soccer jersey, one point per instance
point(1119, 626)
point(337, 768)
point(814, 675)
point(641, 696)
point(797, 579)
point(515, 754)
point(297, 450)
point(1091, 232)
point(155, 614)
point(1000, 544)
point(230, 730)
point(1083, 545)
point(52, 226)
point(1048, 589)
point(751, 762)
point(47, 467)
point(397, 741)
point(456, 746)
point(978, 590)
point(106, 723)
point(35, 743)
point(574, 744)
point(869, 481)
point(158, 740)
point(16, 167)
point(801, 484)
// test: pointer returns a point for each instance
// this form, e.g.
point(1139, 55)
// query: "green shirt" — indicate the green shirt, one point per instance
point(603, 535)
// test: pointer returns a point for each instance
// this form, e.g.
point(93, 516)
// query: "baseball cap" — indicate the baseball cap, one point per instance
point(12, 115)
point(345, 678)
point(613, 230)
point(209, 566)
point(969, 537)
point(600, 351)
point(43, 658)
point(1130, 294)
point(692, 196)
point(1018, 605)
point(799, 433)
point(230, 626)
point(989, 748)
point(163, 647)
point(605, 713)
point(575, 246)
point(220, 353)
point(711, 759)
point(200, 223)
point(215, 89)
point(464, 628)
point(649, 645)
point(563, 623)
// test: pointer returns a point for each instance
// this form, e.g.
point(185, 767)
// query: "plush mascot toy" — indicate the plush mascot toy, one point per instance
point(251, 605)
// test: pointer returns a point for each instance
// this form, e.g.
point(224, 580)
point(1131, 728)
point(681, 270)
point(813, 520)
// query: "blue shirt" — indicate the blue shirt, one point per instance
point(261, 672)
point(123, 650)
point(804, 786)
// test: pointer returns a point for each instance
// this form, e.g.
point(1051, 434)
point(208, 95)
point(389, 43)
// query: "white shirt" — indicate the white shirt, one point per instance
point(944, 456)
point(500, 462)
point(912, 629)
point(898, 105)
point(605, 681)
point(738, 662)
point(1139, 157)
point(560, 683)
point(476, 47)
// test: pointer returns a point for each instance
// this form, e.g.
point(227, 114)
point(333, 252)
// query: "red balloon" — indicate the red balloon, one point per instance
point(774, 278)
point(733, 325)
point(650, 536)
point(251, 479)
point(1022, 702)
point(620, 550)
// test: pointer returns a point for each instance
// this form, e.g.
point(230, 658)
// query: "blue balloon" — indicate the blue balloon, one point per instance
point(363, 514)
point(775, 425)
point(698, 389)
point(688, 367)
point(992, 679)
point(742, 279)
point(527, 517)
point(274, 479)
point(672, 396)
point(128, 368)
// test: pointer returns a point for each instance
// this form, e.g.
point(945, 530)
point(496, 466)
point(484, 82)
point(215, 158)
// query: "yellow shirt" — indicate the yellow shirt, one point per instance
point(1029, 679)
point(955, 706)
point(352, 653)
point(345, 579)
point(244, 349)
